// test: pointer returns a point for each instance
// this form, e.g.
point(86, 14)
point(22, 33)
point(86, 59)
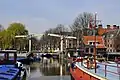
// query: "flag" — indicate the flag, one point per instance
point(90, 25)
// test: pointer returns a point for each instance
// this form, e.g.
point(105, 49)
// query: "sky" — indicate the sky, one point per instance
point(40, 15)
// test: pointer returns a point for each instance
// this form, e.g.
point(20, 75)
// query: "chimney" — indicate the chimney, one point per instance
point(100, 26)
point(117, 27)
point(114, 26)
point(108, 26)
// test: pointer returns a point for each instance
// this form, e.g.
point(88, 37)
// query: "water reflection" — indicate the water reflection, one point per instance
point(48, 67)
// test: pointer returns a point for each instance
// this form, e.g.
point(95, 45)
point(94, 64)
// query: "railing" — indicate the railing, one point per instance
point(106, 70)
point(110, 69)
point(80, 73)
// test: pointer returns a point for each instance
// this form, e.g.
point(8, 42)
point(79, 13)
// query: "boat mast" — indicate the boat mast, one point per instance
point(95, 42)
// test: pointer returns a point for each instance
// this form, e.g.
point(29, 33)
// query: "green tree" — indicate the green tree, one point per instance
point(5, 39)
point(17, 29)
point(1, 28)
point(1, 33)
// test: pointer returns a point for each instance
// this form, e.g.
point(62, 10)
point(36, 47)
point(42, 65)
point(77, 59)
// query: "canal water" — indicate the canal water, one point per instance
point(49, 69)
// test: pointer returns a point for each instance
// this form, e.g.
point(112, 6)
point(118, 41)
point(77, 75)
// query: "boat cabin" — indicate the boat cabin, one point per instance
point(8, 56)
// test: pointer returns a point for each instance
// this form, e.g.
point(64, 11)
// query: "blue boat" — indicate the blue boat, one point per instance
point(11, 69)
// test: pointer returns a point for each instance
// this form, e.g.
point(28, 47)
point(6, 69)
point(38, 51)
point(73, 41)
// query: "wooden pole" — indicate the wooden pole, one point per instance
point(95, 43)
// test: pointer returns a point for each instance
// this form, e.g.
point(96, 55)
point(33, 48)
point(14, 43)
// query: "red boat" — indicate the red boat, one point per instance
point(105, 71)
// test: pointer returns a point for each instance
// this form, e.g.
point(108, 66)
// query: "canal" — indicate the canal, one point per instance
point(49, 69)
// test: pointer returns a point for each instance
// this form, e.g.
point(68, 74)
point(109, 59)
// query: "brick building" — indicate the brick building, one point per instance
point(109, 36)
point(89, 42)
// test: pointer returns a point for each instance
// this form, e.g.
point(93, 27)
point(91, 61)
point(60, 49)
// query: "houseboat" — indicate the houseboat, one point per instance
point(105, 71)
point(11, 69)
point(97, 70)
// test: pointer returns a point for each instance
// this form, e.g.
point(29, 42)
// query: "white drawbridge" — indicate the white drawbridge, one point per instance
point(29, 37)
point(62, 37)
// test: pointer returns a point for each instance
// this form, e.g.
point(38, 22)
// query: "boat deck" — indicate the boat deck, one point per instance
point(112, 71)
point(8, 73)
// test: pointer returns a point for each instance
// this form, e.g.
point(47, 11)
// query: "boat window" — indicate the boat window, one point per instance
point(2, 56)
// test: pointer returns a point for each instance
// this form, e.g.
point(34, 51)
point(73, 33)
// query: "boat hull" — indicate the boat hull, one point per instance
point(78, 73)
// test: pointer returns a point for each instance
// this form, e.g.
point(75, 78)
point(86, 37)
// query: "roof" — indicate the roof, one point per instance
point(101, 30)
point(99, 39)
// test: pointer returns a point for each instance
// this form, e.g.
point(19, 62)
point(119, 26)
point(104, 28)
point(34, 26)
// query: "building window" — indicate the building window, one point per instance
point(90, 43)
point(105, 41)
point(105, 44)
point(91, 50)
point(70, 45)
point(110, 45)
point(98, 43)
point(87, 49)
point(110, 50)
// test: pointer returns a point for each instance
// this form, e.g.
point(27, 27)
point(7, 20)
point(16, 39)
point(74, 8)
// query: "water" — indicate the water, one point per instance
point(49, 69)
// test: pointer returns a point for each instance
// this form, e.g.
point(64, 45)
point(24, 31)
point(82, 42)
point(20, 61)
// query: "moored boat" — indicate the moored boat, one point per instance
point(105, 71)
point(11, 69)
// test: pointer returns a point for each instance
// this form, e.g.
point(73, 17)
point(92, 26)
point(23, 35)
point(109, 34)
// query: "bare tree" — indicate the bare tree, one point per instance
point(82, 21)
point(80, 26)
point(53, 42)
point(60, 29)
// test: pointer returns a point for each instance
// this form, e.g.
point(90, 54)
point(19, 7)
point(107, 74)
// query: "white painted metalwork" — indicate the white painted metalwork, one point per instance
point(62, 37)
point(29, 37)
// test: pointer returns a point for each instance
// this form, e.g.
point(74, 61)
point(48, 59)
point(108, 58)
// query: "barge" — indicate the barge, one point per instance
point(11, 69)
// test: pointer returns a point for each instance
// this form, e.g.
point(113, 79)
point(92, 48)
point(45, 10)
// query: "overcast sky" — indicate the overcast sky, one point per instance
point(40, 15)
